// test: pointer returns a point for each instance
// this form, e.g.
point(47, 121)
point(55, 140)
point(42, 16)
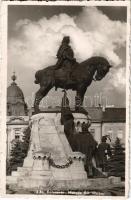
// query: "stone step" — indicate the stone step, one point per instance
point(19, 174)
point(99, 182)
point(15, 173)
point(11, 180)
point(23, 169)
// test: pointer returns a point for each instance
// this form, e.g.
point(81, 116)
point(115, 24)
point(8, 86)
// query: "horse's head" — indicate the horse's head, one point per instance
point(102, 68)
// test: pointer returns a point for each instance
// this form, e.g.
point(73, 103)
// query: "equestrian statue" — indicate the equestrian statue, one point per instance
point(67, 73)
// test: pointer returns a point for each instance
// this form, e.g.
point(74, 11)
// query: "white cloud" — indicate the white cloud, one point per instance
point(107, 35)
point(117, 80)
point(91, 33)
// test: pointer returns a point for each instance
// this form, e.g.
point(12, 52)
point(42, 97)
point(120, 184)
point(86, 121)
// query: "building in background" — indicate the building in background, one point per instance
point(108, 121)
point(114, 123)
point(17, 119)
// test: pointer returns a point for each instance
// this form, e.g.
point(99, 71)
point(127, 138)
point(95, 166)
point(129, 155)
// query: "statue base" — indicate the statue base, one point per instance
point(50, 163)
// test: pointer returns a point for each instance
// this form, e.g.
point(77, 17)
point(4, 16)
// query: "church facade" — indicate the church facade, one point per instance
point(17, 118)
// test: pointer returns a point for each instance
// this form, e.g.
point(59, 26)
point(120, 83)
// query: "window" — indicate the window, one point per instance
point(17, 137)
point(17, 134)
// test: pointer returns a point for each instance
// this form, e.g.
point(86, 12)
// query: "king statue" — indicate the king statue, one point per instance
point(65, 56)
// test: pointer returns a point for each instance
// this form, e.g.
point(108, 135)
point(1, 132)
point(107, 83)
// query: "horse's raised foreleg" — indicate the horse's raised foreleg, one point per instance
point(42, 92)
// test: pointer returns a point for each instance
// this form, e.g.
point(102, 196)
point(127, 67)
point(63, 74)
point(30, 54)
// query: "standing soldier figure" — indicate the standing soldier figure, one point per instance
point(86, 144)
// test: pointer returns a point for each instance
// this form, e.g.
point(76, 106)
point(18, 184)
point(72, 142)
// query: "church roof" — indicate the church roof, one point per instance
point(95, 113)
point(114, 115)
point(14, 93)
point(15, 100)
point(110, 115)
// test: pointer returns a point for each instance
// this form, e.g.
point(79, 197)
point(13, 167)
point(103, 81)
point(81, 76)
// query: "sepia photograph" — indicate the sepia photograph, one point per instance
point(67, 101)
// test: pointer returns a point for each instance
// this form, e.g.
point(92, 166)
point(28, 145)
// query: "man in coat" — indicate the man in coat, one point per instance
point(104, 150)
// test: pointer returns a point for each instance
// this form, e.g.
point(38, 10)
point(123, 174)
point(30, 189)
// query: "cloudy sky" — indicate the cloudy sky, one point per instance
point(34, 36)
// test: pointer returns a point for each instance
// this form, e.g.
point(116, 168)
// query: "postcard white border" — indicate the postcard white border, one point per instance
point(3, 86)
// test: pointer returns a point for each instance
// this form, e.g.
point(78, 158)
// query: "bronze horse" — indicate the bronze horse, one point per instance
point(76, 77)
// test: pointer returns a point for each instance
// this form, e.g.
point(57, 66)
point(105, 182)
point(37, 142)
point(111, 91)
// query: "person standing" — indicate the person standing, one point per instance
point(104, 150)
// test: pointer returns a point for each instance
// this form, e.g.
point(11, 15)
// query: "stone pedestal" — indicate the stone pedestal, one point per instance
point(50, 162)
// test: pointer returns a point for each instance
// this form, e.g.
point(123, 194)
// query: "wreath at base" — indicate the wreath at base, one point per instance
point(68, 163)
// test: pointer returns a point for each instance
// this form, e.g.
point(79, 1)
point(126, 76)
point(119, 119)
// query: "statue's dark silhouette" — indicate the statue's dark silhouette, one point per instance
point(70, 75)
point(67, 118)
point(65, 54)
point(80, 142)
